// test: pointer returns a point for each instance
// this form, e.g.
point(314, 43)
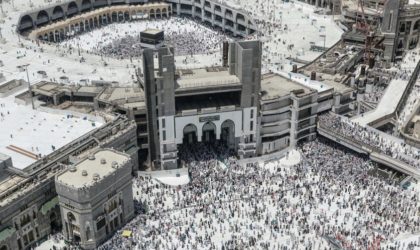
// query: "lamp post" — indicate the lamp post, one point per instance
point(29, 85)
point(323, 36)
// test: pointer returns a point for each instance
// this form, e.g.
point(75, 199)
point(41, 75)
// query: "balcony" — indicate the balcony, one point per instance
point(274, 123)
point(267, 119)
point(242, 33)
point(229, 15)
point(218, 23)
point(169, 156)
point(305, 126)
point(248, 146)
point(42, 20)
point(275, 111)
point(57, 16)
point(247, 149)
point(307, 105)
point(241, 21)
point(207, 110)
point(308, 117)
point(186, 11)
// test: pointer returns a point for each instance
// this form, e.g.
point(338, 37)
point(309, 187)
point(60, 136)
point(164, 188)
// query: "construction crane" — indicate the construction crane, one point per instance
point(364, 27)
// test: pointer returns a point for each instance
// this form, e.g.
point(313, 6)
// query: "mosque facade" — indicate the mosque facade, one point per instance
point(234, 104)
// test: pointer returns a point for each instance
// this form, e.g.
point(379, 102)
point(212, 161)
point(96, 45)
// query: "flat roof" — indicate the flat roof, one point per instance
point(307, 82)
point(10, 85)
point(100, 164)
point(134, 105)
point(118, 93)
point(206, 77)
point(152, 31)
point(50, 88)
point(4, 157)
point(274, 86)
point(90, 89)
point(338, 86)
point(26, 133)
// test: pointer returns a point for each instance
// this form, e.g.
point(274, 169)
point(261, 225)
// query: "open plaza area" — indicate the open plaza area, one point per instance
point(24, 131)
point(209, 124)
point(110, 52)
point(302, 201)
point(120, 40)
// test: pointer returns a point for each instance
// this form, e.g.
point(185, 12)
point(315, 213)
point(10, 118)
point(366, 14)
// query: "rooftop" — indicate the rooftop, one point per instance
point(26, 133)
point(90, 89)
point(274, 86)
point(51, 88)
point(335, 81)
point(206, 77)
point(121, 93)
point(10, 85)
point(99, 166)
point(307, 82)
point(152, 31)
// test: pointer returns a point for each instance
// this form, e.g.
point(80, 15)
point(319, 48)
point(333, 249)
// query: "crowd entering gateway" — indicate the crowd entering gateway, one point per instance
point(330, 197)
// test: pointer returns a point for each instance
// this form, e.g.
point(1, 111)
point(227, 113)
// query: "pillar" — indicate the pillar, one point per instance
point(218, 131)
point(199, 133)
point(224, 21)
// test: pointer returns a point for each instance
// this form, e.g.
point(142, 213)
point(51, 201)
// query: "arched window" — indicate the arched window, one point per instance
point(70, 217)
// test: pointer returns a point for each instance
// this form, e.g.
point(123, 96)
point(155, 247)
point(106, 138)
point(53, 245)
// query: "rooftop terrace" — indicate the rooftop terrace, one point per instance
point(206, 77)
point(93, 168)
point(28, 133)
point(275, 86)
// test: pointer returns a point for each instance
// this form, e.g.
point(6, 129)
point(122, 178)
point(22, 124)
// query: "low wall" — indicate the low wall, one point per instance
point(163, 173)
point(90, 117)
point(395, 164)
point(407, 91)
point(374, 156)
point(21, 86)
point(342, 140)
point(410, 140)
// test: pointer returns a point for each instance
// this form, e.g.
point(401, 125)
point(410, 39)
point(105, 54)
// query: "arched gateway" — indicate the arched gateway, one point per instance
point(190, 134)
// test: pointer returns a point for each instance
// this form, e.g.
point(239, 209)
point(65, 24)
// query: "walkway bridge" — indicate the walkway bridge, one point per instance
point(373, 153)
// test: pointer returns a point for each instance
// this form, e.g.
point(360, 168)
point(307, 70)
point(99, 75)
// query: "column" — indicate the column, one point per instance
point(223, 19)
